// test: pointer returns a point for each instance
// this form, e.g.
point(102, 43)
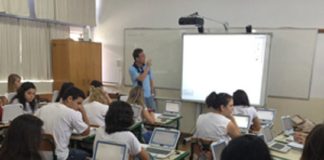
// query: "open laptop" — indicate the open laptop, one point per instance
point(172, 109)
point(268, 137)
point(109, 150)
point(243, 122)
point(266, 116)
point(11, 111)
point(163, 142)
point(287, 126)
point(217, 149)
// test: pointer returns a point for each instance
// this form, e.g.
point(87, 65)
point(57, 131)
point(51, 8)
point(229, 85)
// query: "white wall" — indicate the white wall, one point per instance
point(115, 15)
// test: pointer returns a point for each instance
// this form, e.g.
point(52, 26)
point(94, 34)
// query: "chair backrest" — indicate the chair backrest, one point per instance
point(110, 150)
point(137, 112)
point(11, 95)
point(54, 95)
point(47, 147)
point(217, 149)
point(200, 149)
point(11, 111)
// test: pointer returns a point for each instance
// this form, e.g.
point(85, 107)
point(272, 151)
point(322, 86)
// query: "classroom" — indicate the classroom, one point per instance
point(92, 44)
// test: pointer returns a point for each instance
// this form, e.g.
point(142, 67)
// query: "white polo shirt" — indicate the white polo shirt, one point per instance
point(96, 112)
point(59, 120)
point(212, 126)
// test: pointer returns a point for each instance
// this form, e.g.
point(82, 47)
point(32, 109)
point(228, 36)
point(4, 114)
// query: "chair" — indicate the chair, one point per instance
point(47, 147)
point(200, 149)
point(217, 149)
point(54, 95)
point(11, 111)
point(110, 150)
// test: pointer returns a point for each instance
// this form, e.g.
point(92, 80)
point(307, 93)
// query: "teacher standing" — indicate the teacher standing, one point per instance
point(141, 75)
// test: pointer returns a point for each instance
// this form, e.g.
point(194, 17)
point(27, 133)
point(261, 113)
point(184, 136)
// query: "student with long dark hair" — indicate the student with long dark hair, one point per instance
point(242, 106)
point(314, 144)
point(23, 139)
point(64, 87)
point(118, 120)
point(218, 124)
point(247, 147)
point(26, 94)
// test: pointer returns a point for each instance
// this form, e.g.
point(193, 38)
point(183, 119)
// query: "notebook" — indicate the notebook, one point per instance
point(243, 122)
point(109, 150)
point(163, 142)
point(280, 147)
point(217, 149)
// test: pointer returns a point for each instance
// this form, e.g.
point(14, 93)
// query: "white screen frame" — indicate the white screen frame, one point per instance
point(263, 93)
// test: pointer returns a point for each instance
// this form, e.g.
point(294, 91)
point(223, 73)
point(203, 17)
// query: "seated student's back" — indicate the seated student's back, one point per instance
point(218, 124)
point(22, 139)
point(247, 147)
point(118, 120)
point(97, 107)
point(242, 106)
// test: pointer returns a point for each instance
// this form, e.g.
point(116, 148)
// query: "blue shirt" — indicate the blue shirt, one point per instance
point(146, 84)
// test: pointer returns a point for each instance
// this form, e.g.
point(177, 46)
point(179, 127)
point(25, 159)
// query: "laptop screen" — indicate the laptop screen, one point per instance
point(172, 107)
point(267, 134)
point(107, 150)
point(217, 149)
point(265, 115)
point(287, 124)
point(164, 138)
point(242, 121)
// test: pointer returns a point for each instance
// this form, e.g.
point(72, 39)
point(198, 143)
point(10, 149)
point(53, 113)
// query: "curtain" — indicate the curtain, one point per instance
point(44, 9)
point(9, 47)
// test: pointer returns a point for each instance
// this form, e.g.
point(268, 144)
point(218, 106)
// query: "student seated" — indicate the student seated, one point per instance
point(14, 82)
point(97, 107)
point(219, 124)
point(26, 96)
point(136, 99)
point(22, 139)
point(3, 101)
point(60, 119)
point(118, 119)
point(99, 85)
point(314, 144)
point(64, 87)
point(247, 147)
point(242, 106)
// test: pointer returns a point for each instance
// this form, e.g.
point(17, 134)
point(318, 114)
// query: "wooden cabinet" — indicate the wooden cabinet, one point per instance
point(77, 62)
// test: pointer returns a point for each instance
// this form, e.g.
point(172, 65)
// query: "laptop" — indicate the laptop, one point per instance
point(269, 140)
point(217, 149)
point(109, 150)
point(11, 111)
point(266, 115)
point(172, 109)
point(243, 122)
point(163, 142)
point(287, 126)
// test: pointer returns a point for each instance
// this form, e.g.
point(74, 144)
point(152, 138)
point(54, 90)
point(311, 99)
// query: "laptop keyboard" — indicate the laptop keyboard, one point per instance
point(157, 151)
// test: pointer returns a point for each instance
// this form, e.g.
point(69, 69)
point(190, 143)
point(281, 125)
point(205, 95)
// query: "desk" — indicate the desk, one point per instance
point(75, 138)
point(177, 155)
point(165, 122)
point(4, 125)
point(293, 154)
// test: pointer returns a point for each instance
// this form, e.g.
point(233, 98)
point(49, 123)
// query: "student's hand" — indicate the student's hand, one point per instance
point(299, 137)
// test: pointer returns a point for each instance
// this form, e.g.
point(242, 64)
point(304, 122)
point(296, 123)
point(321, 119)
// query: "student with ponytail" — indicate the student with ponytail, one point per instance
point(219, 124)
